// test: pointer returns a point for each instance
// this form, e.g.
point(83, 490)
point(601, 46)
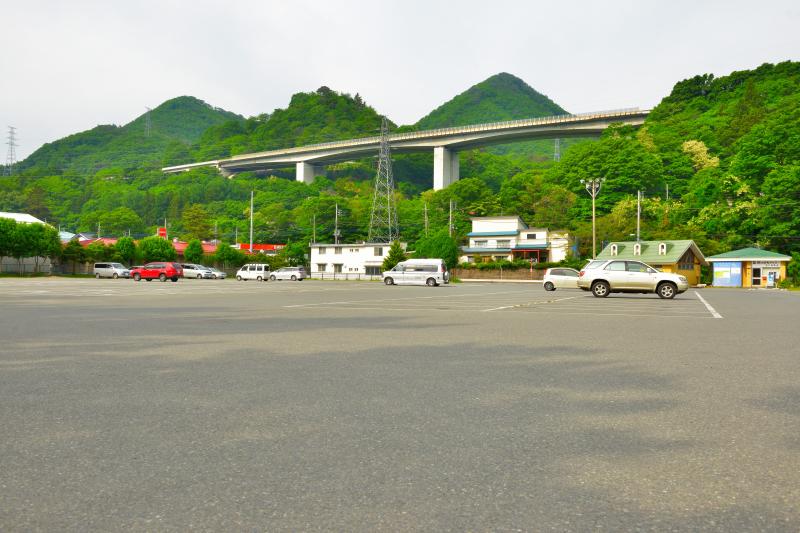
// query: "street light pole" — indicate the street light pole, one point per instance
point(593, 188)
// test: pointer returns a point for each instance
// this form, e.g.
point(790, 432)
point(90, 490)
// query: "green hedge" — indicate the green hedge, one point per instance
point(522, 264)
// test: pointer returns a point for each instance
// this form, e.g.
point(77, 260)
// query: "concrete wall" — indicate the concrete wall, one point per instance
point(521, 274)
point(9, 265)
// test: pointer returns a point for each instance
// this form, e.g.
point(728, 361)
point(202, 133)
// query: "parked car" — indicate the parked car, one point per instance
point(256, 271)
point(291, 273)
point(158, 270)
point(191, 270)
point(111, 270)
point(217, 273)
point(430, 272)
point(603, 277)
point(560, 278)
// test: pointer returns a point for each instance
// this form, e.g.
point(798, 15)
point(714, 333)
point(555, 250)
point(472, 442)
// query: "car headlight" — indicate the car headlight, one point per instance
point(682, 278)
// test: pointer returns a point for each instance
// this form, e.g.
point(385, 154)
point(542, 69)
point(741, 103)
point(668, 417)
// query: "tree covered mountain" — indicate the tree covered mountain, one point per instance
point(498, 98)
point(174, 125)
point(727, 147)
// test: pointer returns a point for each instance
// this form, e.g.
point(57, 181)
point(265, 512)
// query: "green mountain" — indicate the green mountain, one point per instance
point(174, 125)
point(320, 116)
point(498, 98)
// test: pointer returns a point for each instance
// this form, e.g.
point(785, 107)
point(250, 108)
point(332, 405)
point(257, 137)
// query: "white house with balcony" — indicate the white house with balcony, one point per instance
point(509, 238)
point(348, 261)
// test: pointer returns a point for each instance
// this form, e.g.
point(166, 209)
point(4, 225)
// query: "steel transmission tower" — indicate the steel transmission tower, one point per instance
point(11, 157)
point(147, 124)
point(383, 222)
point(557, 150)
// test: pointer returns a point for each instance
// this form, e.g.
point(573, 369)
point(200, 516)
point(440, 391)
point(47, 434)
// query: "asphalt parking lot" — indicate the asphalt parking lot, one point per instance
point(221, 405)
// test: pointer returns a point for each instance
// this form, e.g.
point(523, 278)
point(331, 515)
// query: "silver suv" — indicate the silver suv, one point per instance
point(616, 275)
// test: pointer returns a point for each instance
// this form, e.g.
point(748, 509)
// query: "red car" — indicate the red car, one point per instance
point(162, 271)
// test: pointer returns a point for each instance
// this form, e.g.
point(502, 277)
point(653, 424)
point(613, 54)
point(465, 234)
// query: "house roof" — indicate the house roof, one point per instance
point(23, 218)
point(469, 250)
point(491, 233)
point(180, 247)
point(105, 241)
point(749, 254)
point(649, 253)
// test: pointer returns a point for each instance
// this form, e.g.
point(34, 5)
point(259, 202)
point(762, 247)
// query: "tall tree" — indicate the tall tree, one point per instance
point(194, 251)
point(157, 249)
point(196, 222)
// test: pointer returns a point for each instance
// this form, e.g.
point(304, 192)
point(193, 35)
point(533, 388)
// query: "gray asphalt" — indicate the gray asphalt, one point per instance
point(223, 405)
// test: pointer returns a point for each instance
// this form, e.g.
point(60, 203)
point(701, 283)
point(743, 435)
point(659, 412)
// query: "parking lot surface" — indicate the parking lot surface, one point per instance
point(224, 405)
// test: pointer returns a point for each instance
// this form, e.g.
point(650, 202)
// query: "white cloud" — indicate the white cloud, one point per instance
point(68, 66)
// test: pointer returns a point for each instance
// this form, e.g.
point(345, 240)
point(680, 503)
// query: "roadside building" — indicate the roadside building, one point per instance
point(509, 238)
point(266, 249)
point(678, 257)
point(348, 260)
point(748, 267)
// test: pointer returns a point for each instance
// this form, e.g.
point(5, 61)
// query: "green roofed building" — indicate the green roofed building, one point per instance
point(749, 267)
point(678, 257)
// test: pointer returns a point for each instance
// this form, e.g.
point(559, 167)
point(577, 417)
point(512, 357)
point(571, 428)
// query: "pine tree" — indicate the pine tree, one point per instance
point(396, 254)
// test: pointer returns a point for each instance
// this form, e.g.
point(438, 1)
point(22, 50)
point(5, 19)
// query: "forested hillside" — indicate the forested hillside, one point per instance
point(174, 125)
point(728, 148)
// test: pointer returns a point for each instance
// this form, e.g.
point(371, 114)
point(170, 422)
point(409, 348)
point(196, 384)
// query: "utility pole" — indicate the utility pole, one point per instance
point(557, 150)
point(383, 220)
point(450, 219)
point(313, 228)
point(166, 234)
point(426, 219)
point(251, 222)
point(216, 233)
point(98, 230)
point(11, 156)
point(638, 214)
point(593, 186)
point(336, 232)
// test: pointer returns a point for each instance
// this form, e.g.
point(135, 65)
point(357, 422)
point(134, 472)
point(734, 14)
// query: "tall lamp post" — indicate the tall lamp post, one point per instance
point(593, 188)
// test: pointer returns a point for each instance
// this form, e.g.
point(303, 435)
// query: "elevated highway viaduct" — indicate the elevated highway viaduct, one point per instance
point(445, 143)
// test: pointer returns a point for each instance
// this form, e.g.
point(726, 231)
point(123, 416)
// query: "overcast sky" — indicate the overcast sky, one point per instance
point(68, 66)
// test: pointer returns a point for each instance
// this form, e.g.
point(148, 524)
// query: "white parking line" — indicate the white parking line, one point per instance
point(708, 306)
point(528, 304)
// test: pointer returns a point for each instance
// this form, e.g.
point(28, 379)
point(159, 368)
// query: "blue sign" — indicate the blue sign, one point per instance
point(727, 274)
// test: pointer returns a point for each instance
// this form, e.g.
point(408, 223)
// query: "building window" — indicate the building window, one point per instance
point(321, 267)
point(321, 250)
point(481, 244)
point(637, 249)
point(373, 270)
point(662, 248)
point(353, 250)
point(506, 243)
point(337, 268)
point(337, 250)
point(378, 251)
point(687, 261)
point(531, 236)
point(470, 259)
point(613, 249)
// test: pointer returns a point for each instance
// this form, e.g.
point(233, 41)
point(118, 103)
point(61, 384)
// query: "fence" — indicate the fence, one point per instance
point(518, 274)
point(345, 276)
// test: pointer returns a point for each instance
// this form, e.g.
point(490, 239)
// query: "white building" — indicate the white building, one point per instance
point(352, 261)
point(509, 238)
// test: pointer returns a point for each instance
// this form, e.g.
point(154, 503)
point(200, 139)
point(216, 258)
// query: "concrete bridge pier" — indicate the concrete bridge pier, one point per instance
point(445, 167)
point(306, 172)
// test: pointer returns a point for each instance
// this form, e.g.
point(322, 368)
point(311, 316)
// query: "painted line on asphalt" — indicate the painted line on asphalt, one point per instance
point(429, 297)
point(708, 306)
point(528, 304)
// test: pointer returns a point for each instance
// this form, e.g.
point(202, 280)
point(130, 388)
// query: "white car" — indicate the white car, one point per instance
point(560, 278)
point(290, 273)
point(217, 273)
point(191, 270)
point(606, 276)
point(256, 271)
point(430, 272)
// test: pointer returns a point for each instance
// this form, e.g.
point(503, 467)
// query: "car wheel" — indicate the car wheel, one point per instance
point(430, 282)
point(137, 277)
point(162, 277)
point(97, 276)
point(600, 289)
point(239, 278)
point(175, 279)
point(548, 286)
point(667, 291)
point(149, 280)
point(115, 276)
point(272, 278)
point(259, 278)
point(388, 281)
point(294, 278)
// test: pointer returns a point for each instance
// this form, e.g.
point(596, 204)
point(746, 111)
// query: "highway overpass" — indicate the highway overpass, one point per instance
point(444, 142)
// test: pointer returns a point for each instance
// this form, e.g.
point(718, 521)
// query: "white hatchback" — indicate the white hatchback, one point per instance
point(256, 271)
point(560, 278)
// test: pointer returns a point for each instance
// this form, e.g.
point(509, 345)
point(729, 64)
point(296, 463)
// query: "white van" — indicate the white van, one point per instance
point(430, 272)
point(256, 271)
point(111, 270)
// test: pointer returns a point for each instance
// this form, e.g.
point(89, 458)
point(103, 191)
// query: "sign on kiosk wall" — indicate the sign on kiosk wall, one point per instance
point(727, 274)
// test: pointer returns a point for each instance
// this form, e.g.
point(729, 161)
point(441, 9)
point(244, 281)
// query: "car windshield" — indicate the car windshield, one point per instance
point(117, 265)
